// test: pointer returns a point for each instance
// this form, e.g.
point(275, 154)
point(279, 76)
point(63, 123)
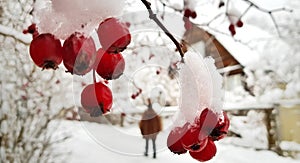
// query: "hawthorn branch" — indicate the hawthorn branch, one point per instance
point(153, 16)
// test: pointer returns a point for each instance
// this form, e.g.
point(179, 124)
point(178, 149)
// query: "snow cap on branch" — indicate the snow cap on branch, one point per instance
point(201, 86)
point(63, 17)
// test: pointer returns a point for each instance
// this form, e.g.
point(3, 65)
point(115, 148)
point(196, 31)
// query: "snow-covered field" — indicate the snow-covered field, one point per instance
point(92, 142)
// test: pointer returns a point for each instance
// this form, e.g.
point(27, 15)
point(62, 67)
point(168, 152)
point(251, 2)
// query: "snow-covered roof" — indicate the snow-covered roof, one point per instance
point(239, 50)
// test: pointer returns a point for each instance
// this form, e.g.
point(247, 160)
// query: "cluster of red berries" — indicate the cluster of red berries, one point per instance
point(198, 137)
point(232, 26)
point(79, 56)
point(188, 13)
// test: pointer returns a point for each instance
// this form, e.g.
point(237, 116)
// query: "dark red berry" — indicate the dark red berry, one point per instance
point(239, 23)
point(194, 14)
point(133, 96)
point(187, 13)
point(157, 72)
point(232, 29)
point(221, 4)
point(221, 129)
point(79, 54)
point(207, 153)
point(96, 99)
point(46, 51)
point(174, 139)
point(109, 65)
point(193, 139)
point(32, 29)
point(207, 121)
point(113, 35)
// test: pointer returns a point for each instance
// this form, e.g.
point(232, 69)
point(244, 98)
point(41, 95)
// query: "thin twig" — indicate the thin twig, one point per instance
point(270, 12)
point(159, 23)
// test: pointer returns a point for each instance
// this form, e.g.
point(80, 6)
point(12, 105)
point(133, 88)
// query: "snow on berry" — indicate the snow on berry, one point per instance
point(58, 16)
point(221, 129)
point(79, 54)
point(109, 65)
point(201, 86)
point(96, 99)
point(46, 51)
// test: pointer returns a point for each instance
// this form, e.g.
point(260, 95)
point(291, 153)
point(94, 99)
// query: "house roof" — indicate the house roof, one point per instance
point(230, 56)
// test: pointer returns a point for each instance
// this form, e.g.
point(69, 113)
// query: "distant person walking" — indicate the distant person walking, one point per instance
point(150, 125)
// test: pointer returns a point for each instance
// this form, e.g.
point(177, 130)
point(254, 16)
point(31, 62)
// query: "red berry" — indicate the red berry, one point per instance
point(194, 14)
point(207, 121)
point(174, 139)
point(46, 51)
point(157, 72)
point(113, 35)
point(187, 13)
point(239, 23)
point(96, 99)
point(232, 29)
point(221, 129)
point(109, 65)
point(207, 153)
point(193, 139)
point(133, 96)
point(79, 54)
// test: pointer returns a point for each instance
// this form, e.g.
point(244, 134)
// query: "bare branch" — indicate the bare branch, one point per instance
point(159, 23)
point(269, 12)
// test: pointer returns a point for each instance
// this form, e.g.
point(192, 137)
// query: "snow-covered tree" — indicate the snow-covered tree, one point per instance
point(29, 96)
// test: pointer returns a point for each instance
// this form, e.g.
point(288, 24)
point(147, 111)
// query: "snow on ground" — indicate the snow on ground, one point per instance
point(93, 142)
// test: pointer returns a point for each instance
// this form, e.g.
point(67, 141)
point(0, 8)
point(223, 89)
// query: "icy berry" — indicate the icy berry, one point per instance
point(109, 65)
point(174, 139)
point(207, 153)
point(221, 129)
point(232, 29)
point(46, 51)
point(96, 99)
point(239, 23)
point(113, 35)
point(193, 139)
point(207, 121)
point(79, 54)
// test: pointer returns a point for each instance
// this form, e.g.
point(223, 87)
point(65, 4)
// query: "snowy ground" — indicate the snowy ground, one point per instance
point(93, 142)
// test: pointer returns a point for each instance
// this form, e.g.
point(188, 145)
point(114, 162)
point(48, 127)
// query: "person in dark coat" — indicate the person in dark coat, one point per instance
point(150, 125)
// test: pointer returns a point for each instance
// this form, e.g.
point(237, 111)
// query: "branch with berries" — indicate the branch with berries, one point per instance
point(239, 22)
